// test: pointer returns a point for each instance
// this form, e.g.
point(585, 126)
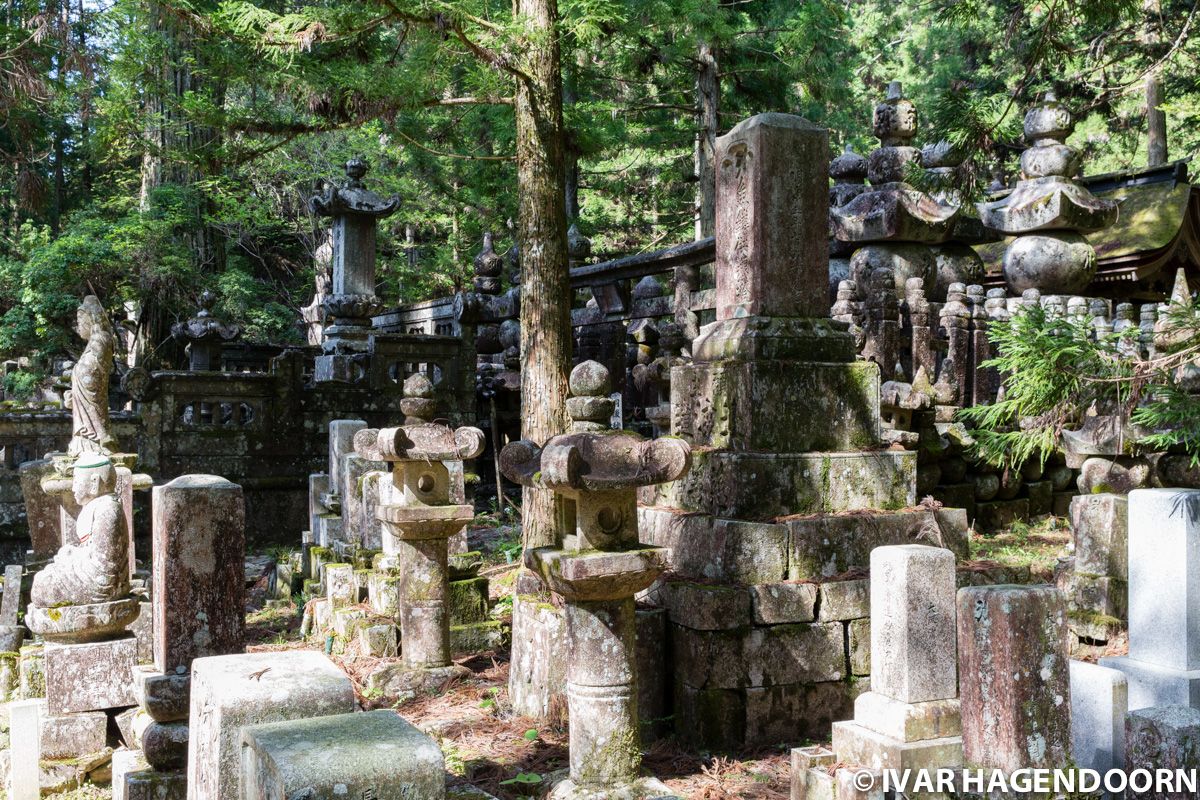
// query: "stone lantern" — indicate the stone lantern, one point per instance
point(418, 519)
point(1048, 211)
point(351, 303)
point(598, 570)
point(205, 335)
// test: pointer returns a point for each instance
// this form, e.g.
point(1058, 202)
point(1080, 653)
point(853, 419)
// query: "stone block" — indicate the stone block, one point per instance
point(1151, 685)
point(705, 607)
point(844, 600)
point(341, 443)
point(378, 640)
point(908, 722)
point(151, 784)
point(744, 405)
point(375, 753)
point(859, 632)
point(124, 761)
point(687, 535)
point(10, 677)
point(32, 668)
point(1100, 528)
point(653, 674)
point(199, 570)
point(73, 735)
point(856, 744)
point(756, 657)
point(804, 759)
point(340, 587)
point(1167, 738)
point(781, 603)
point(806, 710)
point(711, 718)
point(166, 698)
point(11, 637)
point(748, 552)
point(165, 745)
point(1041, 497)
point(347, 621)
point(539, 657)
point(1013, 677)
point(742, 485)
point(233, 691)
point(913, 656)
point(1099, 702)
point(477, 637)
point(1164, 563)
point(822, 547)
point(996, 515)
point(383, 593)
point(25, 751)
point(123, 720)
point(467, 601)
point(142, 629)
point(90, 677)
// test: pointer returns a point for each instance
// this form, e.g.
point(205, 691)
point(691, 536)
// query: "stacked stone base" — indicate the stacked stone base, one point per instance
point(769, 627)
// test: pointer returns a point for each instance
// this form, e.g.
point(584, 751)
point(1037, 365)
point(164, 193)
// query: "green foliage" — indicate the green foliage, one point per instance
point(1056, 370)
point(20, 385)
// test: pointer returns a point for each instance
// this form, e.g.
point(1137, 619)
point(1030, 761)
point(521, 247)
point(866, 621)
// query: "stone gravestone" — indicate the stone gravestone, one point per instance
point(910, 719)
point(1165, 738)
point(231, 692)
point(1163, 665)
point(1014, 684)
point(199, 530)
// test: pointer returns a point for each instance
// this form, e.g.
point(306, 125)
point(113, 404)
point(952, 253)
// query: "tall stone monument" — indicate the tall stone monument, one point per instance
point(785, 429)
point(597, 571)
point(352, 301)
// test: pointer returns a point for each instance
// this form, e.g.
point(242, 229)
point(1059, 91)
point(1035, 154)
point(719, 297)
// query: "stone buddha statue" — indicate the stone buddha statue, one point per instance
point(97, 569)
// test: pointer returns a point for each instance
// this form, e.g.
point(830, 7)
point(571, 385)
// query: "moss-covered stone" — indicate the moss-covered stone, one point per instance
point(467, 601)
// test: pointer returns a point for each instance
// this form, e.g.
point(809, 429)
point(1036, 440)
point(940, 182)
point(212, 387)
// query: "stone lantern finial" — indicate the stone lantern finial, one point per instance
point(418, 403)
point(589, 405)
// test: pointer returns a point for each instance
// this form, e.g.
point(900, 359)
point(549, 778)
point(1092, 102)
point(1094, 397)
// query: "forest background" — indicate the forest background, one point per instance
point(151, 150)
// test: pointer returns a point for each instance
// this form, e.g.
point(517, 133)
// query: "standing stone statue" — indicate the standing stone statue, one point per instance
point(88, 399)
point(97, 569)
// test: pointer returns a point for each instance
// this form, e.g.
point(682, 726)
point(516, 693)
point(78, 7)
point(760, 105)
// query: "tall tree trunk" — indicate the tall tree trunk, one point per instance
point(707, 96)
point(1156, 122)
point(542, 233)
point(571, 153)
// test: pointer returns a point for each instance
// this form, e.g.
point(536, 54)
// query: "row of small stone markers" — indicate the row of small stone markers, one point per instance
point(1017, 701)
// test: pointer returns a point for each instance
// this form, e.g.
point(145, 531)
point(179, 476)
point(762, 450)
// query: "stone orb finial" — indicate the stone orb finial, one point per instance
point(590, 379)
point(357, 168)
point(418, 385)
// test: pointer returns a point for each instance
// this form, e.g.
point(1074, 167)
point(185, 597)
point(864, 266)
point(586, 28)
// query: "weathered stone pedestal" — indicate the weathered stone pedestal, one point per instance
point(418, 520)
point(1163, 665)
point(597, 571)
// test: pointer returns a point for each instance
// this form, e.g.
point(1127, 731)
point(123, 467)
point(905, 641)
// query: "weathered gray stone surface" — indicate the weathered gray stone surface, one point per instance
point(804, 759)
point(199, 570)
point(166, 698)
point(708, 607)
point(1168, 738)
point(775, 655)
point(232, 691)
point(73, 735)
point(1014, 684)
point(90, 622)
point(165, 745)
point(90, 677)
point(152, 784)
point(1099, 702)
point(844, 600)
point(340, 586)
point(780, 603)
point(124, 761)
point(856, 744)
point(11, 602)
point(539, 664)
point(1151, 685)
point(375, 752)
point(908, 722)
point(913, 623)
point(1100, 528)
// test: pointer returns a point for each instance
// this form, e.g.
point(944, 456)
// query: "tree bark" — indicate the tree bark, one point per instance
point(542, 233)
point(1156, 122)
point(707, 97)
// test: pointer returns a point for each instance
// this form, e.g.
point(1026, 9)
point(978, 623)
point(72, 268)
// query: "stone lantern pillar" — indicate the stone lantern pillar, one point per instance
point(205, 335)
point(351, 303)
point(599, 569)
point(419, 518)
